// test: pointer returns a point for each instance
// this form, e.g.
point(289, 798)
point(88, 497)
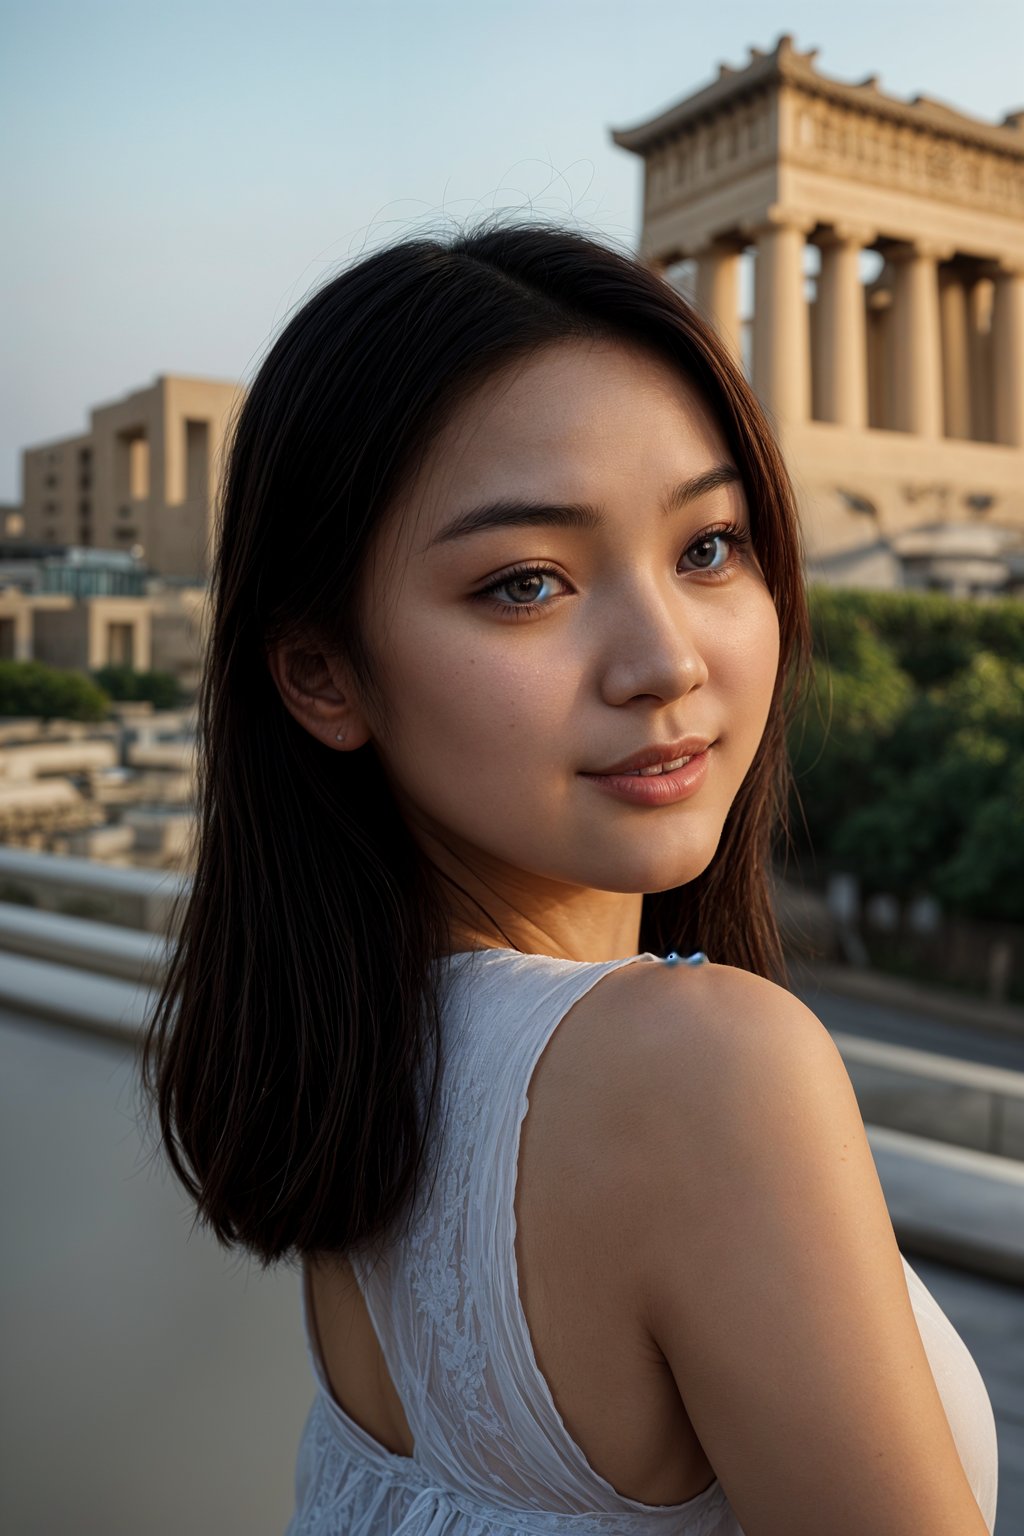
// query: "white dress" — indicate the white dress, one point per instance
point(492, 1454)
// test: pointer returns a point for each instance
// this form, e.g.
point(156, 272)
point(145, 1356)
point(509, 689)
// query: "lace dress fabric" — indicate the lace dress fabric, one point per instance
point(492, 1453)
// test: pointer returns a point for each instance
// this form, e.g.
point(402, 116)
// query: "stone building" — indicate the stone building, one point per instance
point(88, 608)
point(143, 478)
point(887, 335)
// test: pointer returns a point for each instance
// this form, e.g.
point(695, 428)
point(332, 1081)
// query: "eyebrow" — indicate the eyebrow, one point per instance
point(519, 513)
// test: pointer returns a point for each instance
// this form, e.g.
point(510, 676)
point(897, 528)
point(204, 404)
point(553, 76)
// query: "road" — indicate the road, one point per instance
point(900, 1026)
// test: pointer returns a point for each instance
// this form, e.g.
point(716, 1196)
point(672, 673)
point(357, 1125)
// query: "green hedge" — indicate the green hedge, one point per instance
point(30, 688)
point(909, 752)
point(161, 688)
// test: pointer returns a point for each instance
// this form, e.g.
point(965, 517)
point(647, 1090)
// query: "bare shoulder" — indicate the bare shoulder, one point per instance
point(653, 1068)
point(738, 1181)
point(716, 1031)
point(720, 1006)
point(716, 1080)
point(641, 1064)
point(657, 1037)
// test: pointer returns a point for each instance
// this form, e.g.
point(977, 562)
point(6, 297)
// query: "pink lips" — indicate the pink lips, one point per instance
point(658, 788)
point(653, 757)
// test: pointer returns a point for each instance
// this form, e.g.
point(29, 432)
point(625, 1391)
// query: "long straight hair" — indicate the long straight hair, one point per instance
point(299, 1020)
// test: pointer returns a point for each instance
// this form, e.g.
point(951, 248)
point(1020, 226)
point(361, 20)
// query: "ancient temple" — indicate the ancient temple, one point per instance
point(887, 330)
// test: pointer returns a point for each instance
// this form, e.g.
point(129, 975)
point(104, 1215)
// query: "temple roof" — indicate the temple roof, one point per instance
point(785, 65)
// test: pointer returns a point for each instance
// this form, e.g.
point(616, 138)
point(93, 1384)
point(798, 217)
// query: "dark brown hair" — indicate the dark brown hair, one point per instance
point(298, 1024)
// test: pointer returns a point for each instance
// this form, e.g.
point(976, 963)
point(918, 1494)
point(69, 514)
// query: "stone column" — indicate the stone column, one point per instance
point(24, 631)
point(840, 365)
point(1008, 353)
point(878, 319)
point(718, 290)
point(917, 355)
point(782, 362)
point(979, 343)
point(956, 362)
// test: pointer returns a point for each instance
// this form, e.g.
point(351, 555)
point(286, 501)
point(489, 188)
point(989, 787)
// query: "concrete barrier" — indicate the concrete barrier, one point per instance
point(941, 1097)
point(101, 919)
point(62, 994)
point(945, 1202)
point(101, 948)
point(950, 1204)
point(129, 898)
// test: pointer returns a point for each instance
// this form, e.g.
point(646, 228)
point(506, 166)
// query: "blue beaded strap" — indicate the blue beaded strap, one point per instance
point(698, 958)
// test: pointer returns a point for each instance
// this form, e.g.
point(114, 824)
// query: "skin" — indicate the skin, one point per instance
point(640, 636)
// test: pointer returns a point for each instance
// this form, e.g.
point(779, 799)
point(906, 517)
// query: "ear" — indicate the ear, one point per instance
point(317, 691)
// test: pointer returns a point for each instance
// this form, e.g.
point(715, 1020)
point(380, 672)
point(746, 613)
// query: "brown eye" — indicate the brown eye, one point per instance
point(520, 583)
point(732, 535)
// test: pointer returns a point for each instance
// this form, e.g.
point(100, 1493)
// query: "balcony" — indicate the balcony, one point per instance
point(172, 1378)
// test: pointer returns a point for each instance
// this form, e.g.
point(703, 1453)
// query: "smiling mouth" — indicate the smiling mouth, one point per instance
point(648, 773)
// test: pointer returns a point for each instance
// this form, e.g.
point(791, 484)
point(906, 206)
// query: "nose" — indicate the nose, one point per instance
point(652, 646)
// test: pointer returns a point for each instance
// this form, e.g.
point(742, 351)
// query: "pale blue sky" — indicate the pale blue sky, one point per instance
point(175, 177)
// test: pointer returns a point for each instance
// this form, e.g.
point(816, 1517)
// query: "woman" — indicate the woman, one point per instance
point(508, 613)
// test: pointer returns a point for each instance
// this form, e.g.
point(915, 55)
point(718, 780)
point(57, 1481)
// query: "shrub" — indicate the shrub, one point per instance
point(35, 690)
point(160, 688)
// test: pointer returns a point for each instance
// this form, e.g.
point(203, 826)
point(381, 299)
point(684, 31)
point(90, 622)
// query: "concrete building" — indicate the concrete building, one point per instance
point(144, 478)
point(887, 335)
point(90, 608)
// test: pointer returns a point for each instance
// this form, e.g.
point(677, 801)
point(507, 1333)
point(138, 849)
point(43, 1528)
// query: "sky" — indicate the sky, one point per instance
point(176, 178)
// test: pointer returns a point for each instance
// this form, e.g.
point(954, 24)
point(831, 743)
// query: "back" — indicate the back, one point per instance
point(446, 1304)
point(489, 1443)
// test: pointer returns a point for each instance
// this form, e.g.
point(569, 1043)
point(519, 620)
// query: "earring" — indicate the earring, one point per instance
point(340, 736)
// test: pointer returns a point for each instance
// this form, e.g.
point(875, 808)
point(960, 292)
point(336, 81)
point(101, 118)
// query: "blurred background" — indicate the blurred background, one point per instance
point(842, 192)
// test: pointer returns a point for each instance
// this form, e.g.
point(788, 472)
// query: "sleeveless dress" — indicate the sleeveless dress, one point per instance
point(492, 1454)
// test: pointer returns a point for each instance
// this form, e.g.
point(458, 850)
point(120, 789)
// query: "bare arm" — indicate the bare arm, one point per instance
point(769, 1275)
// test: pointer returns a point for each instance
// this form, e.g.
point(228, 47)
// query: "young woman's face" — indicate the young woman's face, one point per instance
point(642, 627)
